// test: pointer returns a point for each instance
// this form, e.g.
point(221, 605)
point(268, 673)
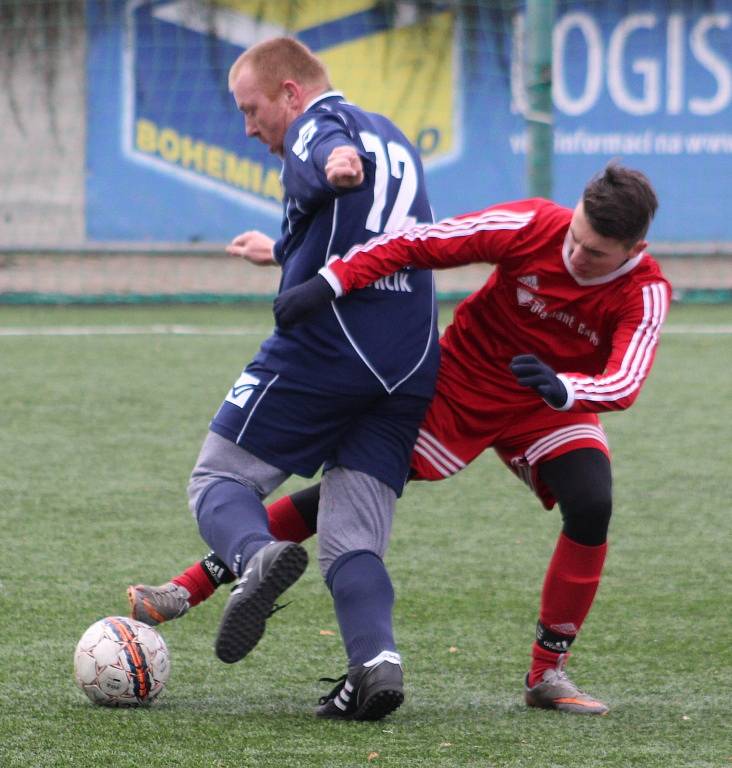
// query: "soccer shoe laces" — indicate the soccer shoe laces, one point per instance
point(559, 674)
point(561, 677)
point(339, 681)
point(277, 607)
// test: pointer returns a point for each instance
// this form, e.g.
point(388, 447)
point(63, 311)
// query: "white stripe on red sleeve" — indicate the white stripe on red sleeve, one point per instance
point(491, 219)
point(637, 358)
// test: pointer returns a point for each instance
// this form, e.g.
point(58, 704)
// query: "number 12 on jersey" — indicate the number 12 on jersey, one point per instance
point(391, 160)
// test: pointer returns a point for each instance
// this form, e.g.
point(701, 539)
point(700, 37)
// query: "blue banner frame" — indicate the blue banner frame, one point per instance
point(167, 159)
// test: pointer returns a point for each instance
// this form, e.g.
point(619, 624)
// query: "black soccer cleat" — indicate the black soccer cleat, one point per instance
point(369, 691)
point(267, 575)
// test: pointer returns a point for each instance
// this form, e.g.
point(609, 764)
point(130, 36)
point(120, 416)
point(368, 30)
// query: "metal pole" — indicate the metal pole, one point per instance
point(539, 26)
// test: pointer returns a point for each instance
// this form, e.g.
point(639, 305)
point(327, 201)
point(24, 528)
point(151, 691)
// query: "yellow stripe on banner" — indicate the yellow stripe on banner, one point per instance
point(406, 74)
point(295, 16)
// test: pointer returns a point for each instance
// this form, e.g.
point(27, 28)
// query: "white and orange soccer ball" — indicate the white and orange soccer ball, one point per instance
point(120, 662)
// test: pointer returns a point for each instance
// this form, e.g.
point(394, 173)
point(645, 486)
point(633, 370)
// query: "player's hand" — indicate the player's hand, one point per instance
point(344, 168)
point(255, 247)
point(532, 372)
point(295, 304)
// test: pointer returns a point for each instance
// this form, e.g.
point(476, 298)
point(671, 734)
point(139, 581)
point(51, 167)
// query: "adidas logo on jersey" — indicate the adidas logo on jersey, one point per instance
point(531, 281)
point(524, 297)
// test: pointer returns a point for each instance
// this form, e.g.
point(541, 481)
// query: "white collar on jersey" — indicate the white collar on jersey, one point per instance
point(623, 269)
point(326, 95)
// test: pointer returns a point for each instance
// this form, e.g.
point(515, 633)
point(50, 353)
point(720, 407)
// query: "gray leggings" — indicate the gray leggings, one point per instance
point(355, 511)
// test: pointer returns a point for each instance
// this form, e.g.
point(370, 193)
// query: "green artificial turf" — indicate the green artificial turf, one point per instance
point(99, 433)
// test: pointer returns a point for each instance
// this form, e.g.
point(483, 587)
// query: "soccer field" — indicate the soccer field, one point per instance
point(103, 413)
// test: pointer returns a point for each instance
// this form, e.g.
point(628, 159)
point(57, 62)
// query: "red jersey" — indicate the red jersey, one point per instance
point(600, 335)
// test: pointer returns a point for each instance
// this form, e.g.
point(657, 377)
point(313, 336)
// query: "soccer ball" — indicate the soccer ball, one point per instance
point(120, 662)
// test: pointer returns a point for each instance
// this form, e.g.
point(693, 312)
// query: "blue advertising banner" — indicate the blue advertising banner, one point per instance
point(168, 161)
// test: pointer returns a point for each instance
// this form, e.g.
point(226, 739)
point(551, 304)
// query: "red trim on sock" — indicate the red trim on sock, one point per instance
point(285, 521)
point(541, 660)
point(570, 584)
point(196, 581)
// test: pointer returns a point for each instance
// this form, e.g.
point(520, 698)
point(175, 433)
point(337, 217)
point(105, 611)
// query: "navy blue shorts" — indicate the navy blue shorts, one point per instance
point(299, 429)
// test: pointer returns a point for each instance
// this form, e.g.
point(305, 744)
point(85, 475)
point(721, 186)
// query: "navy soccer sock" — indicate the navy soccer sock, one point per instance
point(233, 522)
point(363, 598)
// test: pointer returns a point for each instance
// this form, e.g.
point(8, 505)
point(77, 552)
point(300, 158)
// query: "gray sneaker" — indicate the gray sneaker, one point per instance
point(154, 605)
point(274, 568)
point(557, 691)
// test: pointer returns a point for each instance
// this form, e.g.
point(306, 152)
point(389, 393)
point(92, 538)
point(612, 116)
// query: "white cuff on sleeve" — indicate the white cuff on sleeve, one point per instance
point(570, 392)
point(333, 281)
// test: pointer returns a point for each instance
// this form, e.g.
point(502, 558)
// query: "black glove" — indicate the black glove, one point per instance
point(531, 372)
point(295, 304)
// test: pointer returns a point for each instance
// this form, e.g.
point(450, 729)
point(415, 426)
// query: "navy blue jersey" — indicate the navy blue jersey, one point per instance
point(385, 334)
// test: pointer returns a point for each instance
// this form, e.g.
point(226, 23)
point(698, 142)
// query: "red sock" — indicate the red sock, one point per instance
point(285, 521)
point(197, 582)
point(570, 585)
point(286, 524)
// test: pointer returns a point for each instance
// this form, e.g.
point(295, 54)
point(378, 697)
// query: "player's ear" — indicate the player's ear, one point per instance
point(637, 248)
point(292, 92)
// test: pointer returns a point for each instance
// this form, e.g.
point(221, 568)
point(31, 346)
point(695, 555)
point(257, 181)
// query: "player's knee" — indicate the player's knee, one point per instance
point(344, 531)
point(196, 487)
point(335, 564)
point(341, 535)
point(581, 482)
point(326, 557)
point(351, 582)
point(331, 549)
point(355, 514)
point(586, 518)
point(202, 483)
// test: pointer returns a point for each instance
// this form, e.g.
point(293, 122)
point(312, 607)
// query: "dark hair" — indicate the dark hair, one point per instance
point(620, 203)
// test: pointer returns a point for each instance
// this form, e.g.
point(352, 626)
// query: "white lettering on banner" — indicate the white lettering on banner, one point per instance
point(718, 67)
point(612, 66)
point(648, 69)
point(675, 64)
point(593, 81)
point(648, 142)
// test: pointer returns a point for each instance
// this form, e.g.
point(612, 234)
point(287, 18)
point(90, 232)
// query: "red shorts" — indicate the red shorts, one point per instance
point(524, 431)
